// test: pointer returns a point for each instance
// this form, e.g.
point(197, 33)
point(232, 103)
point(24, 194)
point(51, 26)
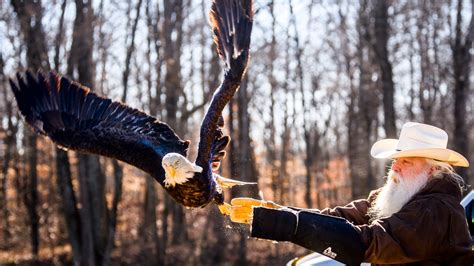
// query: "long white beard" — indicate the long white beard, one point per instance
point(395, 194)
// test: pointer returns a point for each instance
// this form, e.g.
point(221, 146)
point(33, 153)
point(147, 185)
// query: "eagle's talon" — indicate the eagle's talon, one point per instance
point(225, 208)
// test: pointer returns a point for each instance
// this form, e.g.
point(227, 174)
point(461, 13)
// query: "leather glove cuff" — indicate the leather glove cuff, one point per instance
point(275, 224)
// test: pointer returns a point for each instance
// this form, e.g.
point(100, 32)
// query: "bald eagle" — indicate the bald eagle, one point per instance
point(75, 118)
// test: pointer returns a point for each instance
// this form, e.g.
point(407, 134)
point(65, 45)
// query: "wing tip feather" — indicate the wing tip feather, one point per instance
point(231, 22)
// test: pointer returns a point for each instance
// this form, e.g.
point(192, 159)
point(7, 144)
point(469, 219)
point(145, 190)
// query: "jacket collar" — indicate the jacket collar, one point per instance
point(444, 185)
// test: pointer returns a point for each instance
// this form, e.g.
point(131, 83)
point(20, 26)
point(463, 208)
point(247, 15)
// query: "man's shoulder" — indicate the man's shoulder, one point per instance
point(435, 202)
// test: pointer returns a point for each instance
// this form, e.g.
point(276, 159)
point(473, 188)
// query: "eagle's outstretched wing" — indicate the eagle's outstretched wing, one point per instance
point(77, 119)
point(231, 23)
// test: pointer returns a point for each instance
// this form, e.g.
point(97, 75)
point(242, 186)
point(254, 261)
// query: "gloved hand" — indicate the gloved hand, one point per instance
point(242, 209)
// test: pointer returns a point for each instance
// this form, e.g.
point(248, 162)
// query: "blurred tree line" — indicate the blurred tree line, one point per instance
point(326, 80)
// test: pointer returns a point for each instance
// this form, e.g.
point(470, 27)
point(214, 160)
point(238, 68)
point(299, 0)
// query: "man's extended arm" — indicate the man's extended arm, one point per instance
point(356, 211)
point(332, 236)
point(400, 238)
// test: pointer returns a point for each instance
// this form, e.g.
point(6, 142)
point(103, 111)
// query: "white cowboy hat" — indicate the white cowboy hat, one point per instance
point(419, 140)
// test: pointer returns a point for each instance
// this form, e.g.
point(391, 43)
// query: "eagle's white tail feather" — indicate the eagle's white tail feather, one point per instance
point(228, 183)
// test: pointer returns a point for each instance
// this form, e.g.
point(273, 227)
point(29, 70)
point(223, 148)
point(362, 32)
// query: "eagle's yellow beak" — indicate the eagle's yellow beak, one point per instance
point(172, 172)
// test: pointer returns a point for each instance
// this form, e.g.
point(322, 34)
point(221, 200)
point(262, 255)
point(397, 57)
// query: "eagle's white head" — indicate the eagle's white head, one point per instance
point(178, 169)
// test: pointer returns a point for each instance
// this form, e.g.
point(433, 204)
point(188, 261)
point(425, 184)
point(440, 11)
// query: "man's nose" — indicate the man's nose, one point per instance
point(395, 166)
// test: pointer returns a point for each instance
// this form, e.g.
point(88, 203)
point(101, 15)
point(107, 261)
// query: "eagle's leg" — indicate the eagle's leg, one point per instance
point(224, 208)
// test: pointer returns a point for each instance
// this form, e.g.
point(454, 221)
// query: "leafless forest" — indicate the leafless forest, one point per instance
point(326, 80)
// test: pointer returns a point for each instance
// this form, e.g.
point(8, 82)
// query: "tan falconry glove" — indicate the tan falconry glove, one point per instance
point(242, 209)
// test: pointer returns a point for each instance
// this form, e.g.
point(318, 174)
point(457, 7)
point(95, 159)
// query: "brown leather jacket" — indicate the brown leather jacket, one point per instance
point(431, 229)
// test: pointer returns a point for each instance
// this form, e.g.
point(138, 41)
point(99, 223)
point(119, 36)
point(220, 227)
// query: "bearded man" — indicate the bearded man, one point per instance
point(414, 219)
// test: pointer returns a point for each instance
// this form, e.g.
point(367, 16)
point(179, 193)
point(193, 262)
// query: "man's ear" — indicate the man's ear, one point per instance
point(432, 170)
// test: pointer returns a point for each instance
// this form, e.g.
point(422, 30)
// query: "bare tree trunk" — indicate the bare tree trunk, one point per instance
point(172, 34)
point(248, 168)
point(153, 25)
point(112, 214)
point(285, 135)
point(347, 67)
point(69, 201)
point(270, 141)
point(148, 229)
point(242, 159)
point(37, 57)
point(91, 179)
point(130, 49)
point(363, 119)
point(428, 89)
point(32, 198)
point(462, 62)
point(117, 168)
point(379, 43)
point(59, 36)
point(411, 103)
point(165, 226)
point(87, 236)
point(235, 171)
point(9, 141)
point(172, 48)
point(63, 169)
point(308, 149)
point(283, 173)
